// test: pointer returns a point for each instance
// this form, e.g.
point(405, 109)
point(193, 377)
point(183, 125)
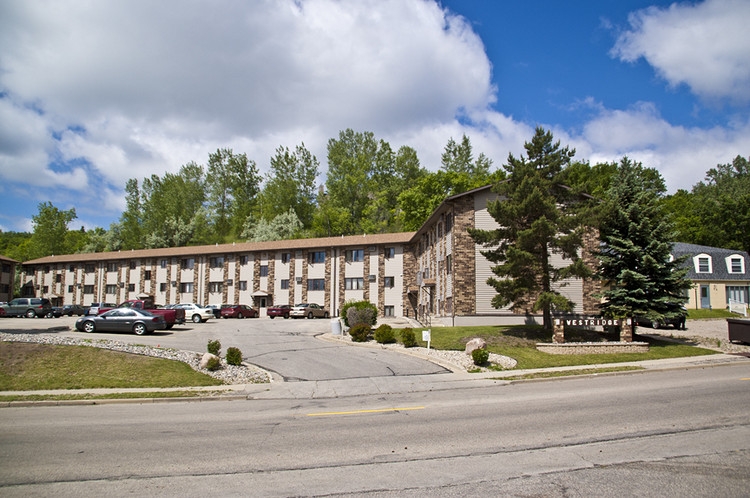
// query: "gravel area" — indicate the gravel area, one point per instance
point(708, 333)
point(230, 374)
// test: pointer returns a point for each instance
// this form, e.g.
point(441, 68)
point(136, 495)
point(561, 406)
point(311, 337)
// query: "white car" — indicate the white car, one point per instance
point(196, 313)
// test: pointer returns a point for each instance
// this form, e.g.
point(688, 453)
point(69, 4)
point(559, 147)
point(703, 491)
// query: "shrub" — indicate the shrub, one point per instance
point(408, 338)
point(480, 356)
point(234, 356)
point(360, 332)
point(213, 364)
point(385, 335)
point(356, 312)
point(214, 347)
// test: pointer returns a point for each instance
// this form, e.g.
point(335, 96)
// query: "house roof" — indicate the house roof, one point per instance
point(6, 258)
point(242, 247)
point(718, 256)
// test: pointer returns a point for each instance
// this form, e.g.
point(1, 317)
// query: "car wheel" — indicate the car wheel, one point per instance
point(169, 326)
point(271, 317)
point(139, 329)
point(325, 315)
point(240, 315)
point(89, 327)
point(655, 324)
point(196, 319)
point(30, 313)
point(286, 317)
point(310, 316)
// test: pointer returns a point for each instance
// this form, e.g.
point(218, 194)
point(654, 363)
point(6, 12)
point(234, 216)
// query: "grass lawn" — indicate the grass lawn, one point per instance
point(30, 366)
point(697, 314)
point(519, 342)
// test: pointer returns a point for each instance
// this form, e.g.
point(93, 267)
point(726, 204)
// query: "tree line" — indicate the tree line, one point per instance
point(369, 188)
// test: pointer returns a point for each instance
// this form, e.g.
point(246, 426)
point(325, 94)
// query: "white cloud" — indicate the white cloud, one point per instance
point(703, 45)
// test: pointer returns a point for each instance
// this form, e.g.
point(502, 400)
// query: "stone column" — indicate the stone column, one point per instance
point(626, 331)
point(558, 331)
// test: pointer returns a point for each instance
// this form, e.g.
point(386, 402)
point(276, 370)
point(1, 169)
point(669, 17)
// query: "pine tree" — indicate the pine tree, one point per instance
point(538, 218)
point(637, 270)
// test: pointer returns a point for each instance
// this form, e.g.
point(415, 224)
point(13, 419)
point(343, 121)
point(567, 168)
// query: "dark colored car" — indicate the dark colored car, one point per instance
point(55, 312)
point(139, 322)
point(238, 311)
point(217, 309)
point(280, 310)
point(677, 322)
point(73, 309)
point(29, 307)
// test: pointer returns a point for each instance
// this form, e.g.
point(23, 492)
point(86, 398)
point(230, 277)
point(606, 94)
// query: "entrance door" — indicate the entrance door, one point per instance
point(705, 298)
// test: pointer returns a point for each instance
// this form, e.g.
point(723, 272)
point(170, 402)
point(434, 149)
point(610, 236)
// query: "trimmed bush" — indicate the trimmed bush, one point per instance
point(408, 338)
point(356, 312)
point(234, 356)
point(385, 335)
point(214, 347)
point(360, 332)
point(214, 363)
point(480, 356)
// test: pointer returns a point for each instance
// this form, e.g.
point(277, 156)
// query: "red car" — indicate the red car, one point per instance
point(238, 311)
point(280, 310)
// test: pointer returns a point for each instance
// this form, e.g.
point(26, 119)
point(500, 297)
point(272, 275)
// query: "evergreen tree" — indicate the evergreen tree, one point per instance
point(537, 218)
point(639, 275)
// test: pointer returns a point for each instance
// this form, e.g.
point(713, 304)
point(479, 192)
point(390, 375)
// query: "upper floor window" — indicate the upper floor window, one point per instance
point(286, 257)
point(390, 252)
point(355, 255)
point(284, 283)
point(90, 268)
point(147, 275)
point(187, 263)
point(448, 222)
point(316, 284)
point(243, 260)
point(111, 266)
point(132, 264)
point(703, 263)
point(736, 264)
point(111, 289)
point(215, 287)
point(316, 257)
point(388, 282)
point(354, 283)
point(217, 262)
point(186, 287)
point(163, 263)
point(264, 271)
point(72, 268)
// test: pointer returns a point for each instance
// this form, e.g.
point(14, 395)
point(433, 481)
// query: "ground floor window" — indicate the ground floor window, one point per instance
point(737, 294)
point(388, 311)
point(111, 289)
point(215, 287)
point(316, 284)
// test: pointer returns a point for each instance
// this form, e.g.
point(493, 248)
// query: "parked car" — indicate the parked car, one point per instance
point(54, 312)
point(280, 310)
point(29, 307)
point(309, 310)
point(238, 311)
point(217, 309)
point(94, 308)
point(73, 309)
point(197, 314)
point(139, 322)
point(677, 322)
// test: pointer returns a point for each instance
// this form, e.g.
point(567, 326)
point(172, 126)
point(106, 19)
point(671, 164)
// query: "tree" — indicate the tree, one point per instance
point(50, 230)
point(636, 269)
point(232, 186)
point(131, 220)
point(284, 226)
point(537, 218)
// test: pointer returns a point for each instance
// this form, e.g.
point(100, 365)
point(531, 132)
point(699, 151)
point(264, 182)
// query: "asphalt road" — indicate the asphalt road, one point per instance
point(285, 347)
point(668, 433)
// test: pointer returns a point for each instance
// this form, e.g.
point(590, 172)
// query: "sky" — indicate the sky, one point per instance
point(95, 93)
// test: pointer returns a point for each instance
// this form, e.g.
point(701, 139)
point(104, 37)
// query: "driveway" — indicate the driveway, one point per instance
point(285, 347)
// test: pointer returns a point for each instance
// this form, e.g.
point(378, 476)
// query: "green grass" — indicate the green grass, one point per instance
point(567, 373)
point(30, 366)
point(702, 313)
point(519, 343)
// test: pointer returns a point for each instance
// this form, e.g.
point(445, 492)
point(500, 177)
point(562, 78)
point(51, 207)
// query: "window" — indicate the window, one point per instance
point(449, 263)
point(88, 289)
point(318, 284)
point(448, 222)
point(242, 284)
point(163, 263)
point(131, 287)
point(147, 275)
point(187, 263)
point(243, 260)
point(388, 282)
point(355, 255)
point(132, 265)
point(70, 288)
point(390, 252)
point(215, 287)
point(736, 293)
point(45, 289)
point(736, 264)
point(703, 264)
point(90, 268)
point(217, 262)
point(388, 311)
point(354, 283)
point(286, 257)
point(264, 270)
point(71, 268)
point(58, 278)
point(163, 287)
point(186, 287)
point(111, 289)
point(284, 283)
point(316, 257)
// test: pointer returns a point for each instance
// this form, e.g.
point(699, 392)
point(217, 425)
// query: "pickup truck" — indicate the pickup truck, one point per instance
point(171, 316)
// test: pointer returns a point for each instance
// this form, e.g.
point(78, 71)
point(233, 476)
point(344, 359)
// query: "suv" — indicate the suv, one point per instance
point(29, 307)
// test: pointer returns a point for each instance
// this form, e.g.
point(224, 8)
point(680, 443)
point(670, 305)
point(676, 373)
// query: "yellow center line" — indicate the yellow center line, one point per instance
point(746, 378)
point(357, 412)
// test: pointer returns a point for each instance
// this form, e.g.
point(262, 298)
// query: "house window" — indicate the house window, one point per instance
point(388, 311)
point(355, 255)
point(131, 287)
point(354, 283)
point(88, 289)
point(286, 257)
point(702, 264)
point(449, 263)
point(243, 260)
point(316, 284)
point(58, 278)
point(163, 263)
point(217, 262)
point(45, 289)
point(71, 268)
point(736, 264)
point(284, 283)
point(111, 289)
point(390, 252)
point(316, 257)
point(215, 287)
point(187, 263)
point(186, 287)
point(242, 285)
point(147, 275)
point(737, 294)
point(264, 270)
point(448, 223)
point(388, 282)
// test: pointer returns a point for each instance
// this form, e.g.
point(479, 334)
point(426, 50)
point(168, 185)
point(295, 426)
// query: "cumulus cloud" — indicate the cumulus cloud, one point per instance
point(703, 45)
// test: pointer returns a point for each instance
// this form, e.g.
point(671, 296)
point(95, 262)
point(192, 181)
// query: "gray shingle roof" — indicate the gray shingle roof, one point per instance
point(718, 258)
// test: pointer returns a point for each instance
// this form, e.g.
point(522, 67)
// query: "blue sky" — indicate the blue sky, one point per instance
point(92, 94)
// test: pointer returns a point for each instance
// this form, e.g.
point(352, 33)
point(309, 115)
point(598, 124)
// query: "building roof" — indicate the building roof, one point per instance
point(242, 247)
point(718, 266)
point(6, 258)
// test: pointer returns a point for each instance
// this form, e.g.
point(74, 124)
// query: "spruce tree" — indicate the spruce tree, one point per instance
point(538, 218)
point(638, 273)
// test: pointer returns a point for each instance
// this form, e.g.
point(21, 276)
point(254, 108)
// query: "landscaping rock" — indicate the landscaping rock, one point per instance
point(476, 343)
point(206, 358)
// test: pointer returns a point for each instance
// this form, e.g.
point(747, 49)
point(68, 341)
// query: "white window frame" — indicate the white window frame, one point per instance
point(697, 264)
point(729, 264)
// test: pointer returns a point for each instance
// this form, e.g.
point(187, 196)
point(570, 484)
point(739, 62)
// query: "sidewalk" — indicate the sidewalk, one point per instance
point(371, 385)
